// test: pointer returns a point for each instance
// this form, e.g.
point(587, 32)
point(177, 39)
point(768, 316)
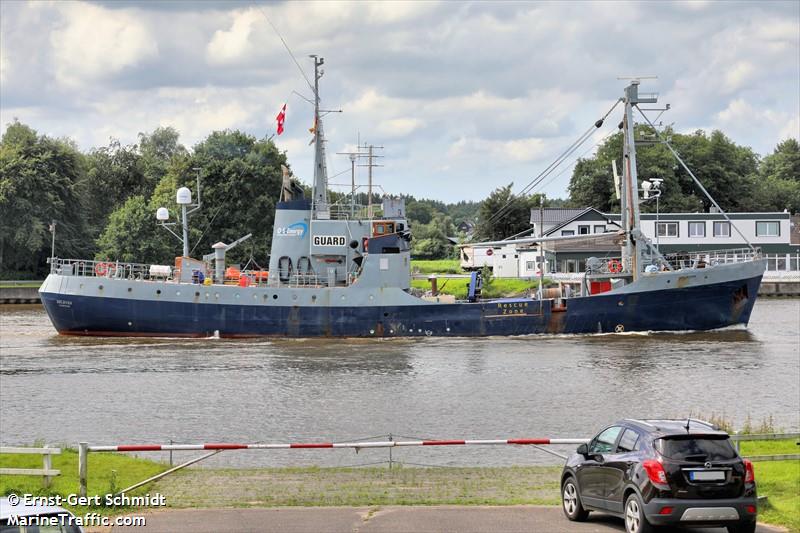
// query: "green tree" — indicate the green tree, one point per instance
point(778, 187)
point(240, 185)
point(726, 170)
point(431, 240)
point(38, 175)
point(502, 214)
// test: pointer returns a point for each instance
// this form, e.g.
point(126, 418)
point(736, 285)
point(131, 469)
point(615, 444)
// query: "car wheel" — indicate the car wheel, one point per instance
point(635, 521)
point(571, 502)
point(743, 527)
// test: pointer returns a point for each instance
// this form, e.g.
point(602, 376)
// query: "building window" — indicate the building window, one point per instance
point(584, 230)
point(667, 229)
point(722, 229)
point(566, 232)
point(530, 265)
point(601, 228)
point(697, 229)
point(768, 229)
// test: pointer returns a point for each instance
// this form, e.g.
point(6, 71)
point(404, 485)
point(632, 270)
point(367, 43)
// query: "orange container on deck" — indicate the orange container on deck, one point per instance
point(232, 273)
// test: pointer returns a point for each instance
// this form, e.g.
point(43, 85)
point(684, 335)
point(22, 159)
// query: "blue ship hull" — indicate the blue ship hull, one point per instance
point(703, 307)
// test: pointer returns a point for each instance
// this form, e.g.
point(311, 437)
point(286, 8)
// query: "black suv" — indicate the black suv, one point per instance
point(661, 472)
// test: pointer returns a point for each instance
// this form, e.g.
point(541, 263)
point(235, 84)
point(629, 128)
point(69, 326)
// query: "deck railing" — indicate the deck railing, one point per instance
point(110, 269)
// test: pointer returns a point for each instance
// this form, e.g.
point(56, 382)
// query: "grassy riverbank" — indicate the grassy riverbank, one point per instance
point(269, 487)
point(108, 473)
point(497, 288)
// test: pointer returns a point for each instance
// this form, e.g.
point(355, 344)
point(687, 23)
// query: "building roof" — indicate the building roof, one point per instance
point(556, 215)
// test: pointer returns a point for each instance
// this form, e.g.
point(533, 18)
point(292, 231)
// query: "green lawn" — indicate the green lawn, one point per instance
point(436, 266)
point(497, 288)
point(124, 470)
point(778, 480)
point(21, 285)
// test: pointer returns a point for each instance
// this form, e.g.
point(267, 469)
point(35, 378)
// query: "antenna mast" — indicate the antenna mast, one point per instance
point(370, 157)
point(320, 191)
point(630, 183)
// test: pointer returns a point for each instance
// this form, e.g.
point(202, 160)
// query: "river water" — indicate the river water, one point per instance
point(113, 391)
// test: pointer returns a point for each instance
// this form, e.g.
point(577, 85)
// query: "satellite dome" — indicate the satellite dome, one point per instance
point(184, 196)
point(162, 213)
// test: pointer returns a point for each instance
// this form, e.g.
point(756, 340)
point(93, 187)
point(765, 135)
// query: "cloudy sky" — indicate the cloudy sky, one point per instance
point(464, 96)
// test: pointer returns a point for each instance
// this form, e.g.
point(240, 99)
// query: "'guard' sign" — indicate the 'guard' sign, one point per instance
point(329, 240)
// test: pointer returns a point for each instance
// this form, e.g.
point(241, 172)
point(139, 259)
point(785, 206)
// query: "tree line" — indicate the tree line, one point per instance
point(104, 201)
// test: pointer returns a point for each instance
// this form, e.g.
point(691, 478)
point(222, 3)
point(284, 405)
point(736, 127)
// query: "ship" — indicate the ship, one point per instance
point(338, 270)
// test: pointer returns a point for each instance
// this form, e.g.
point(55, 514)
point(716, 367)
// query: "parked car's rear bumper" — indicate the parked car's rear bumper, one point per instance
point(701, 512)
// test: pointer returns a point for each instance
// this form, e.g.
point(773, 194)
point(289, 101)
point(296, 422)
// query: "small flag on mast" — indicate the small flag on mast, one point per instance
point(313, 131)
point(280, 118)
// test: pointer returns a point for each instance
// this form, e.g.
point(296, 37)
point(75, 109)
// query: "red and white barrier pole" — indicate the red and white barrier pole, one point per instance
point(315, 445)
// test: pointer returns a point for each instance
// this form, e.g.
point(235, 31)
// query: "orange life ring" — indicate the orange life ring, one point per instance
point(101, 269)
point(615, 266)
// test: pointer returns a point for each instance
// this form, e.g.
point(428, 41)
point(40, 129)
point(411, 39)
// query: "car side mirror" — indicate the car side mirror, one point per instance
point(583, 450)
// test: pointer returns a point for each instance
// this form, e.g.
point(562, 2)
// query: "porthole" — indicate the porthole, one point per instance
point(274, 296)
point(216, 295)
point(158, 291)
point(177, 293)
point(100, 287)
point(294, 297)
point(385, 314)
point(236, 295)
point(197, 293)
point(130, 289)
point(255, 297)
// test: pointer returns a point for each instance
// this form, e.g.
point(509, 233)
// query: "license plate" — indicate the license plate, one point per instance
point(707, 475)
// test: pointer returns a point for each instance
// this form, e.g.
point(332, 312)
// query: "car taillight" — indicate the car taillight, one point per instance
point(655, 471)
point(750, 474)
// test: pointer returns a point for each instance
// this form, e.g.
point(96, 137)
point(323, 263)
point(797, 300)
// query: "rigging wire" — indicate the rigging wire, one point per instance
point(697, 181)
point(550, 168)
point(310, 85)
point(595, 145)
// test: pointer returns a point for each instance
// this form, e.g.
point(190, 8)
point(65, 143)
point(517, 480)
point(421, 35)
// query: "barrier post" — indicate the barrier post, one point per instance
point(48, 465)
point(390, 452)
point(83, 460)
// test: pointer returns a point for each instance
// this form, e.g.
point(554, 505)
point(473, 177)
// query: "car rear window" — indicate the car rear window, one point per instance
point(693, 448)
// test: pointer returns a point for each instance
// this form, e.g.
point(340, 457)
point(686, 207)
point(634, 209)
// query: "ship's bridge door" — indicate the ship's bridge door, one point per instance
point(382, 228)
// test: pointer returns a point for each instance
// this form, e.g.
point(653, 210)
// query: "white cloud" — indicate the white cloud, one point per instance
point(231, 45)
point(92, 43)
point(398, 127)
point(465, 97)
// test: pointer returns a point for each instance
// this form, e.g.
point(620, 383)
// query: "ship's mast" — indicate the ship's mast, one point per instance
point(631, 251)
point(320, 190)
